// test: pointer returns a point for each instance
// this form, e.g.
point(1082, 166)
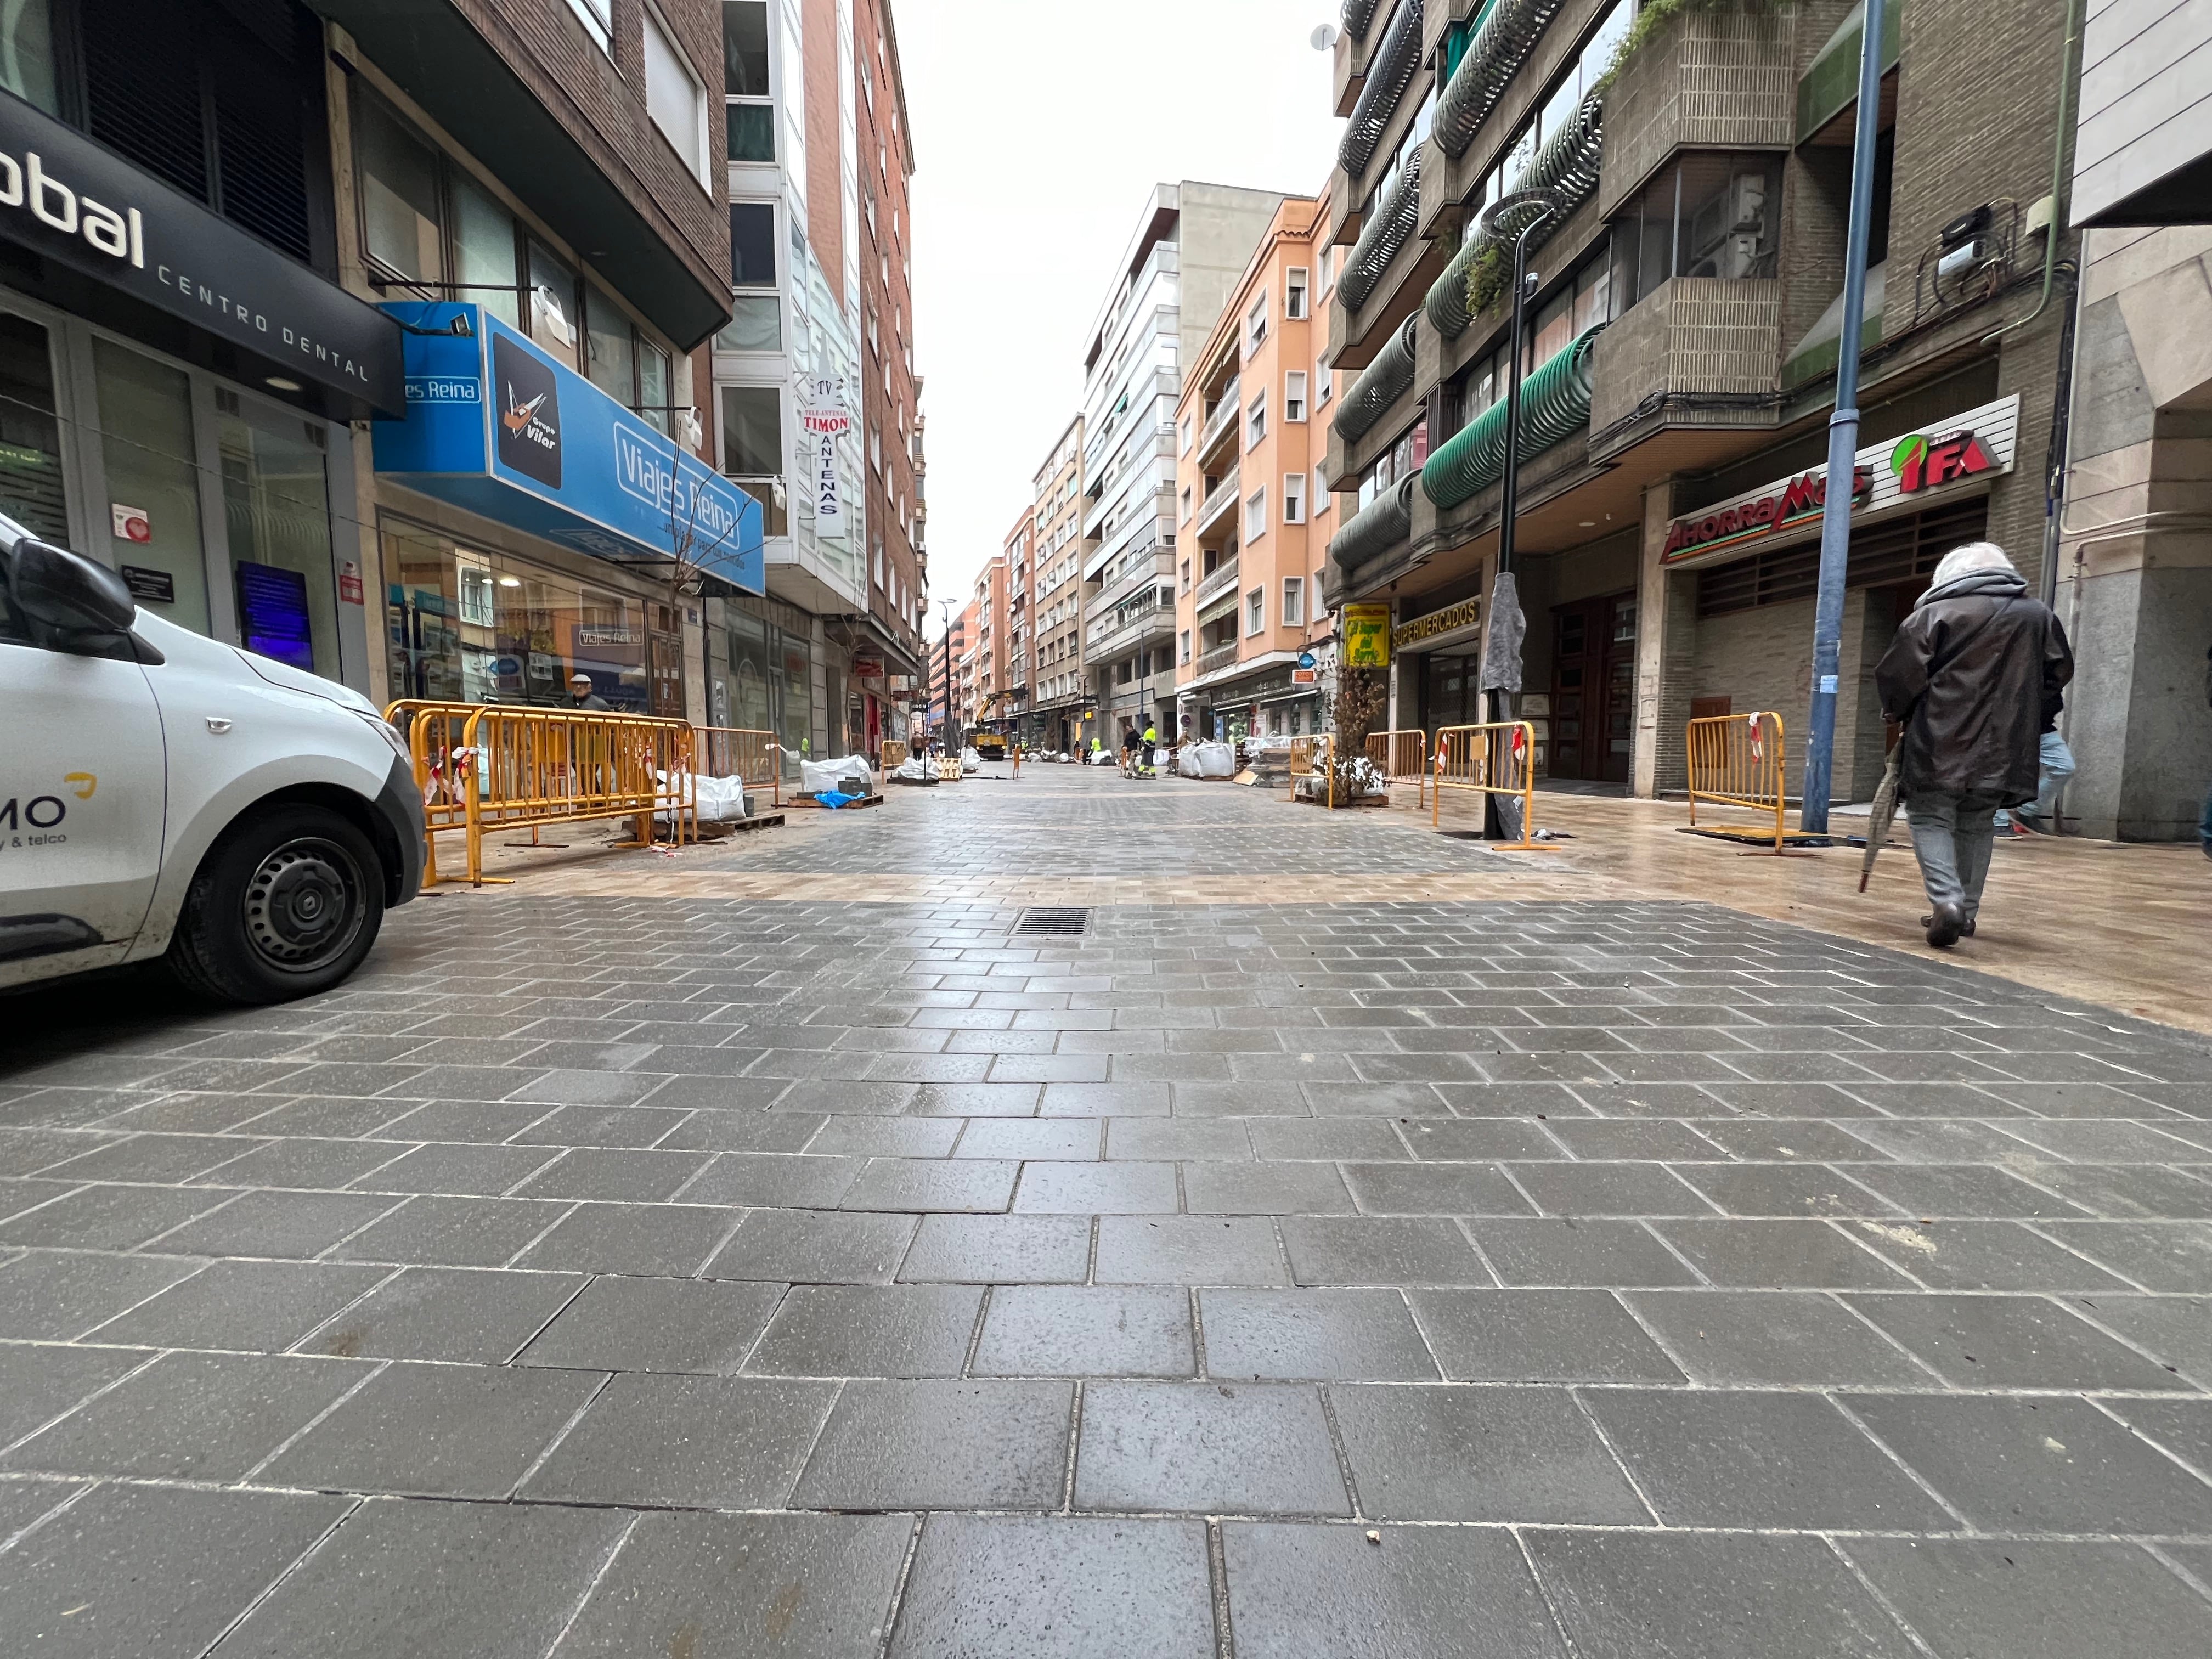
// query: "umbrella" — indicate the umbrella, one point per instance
point(1879, 820)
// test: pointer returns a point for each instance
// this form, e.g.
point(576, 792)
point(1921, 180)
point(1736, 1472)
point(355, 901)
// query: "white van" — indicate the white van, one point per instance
point(165, 796)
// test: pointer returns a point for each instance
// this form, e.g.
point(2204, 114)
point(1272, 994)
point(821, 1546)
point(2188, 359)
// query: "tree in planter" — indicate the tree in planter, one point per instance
point(1359, 702)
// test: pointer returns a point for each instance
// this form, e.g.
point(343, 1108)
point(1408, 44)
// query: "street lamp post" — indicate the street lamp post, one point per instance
point(945, 727)
point(1532, 208)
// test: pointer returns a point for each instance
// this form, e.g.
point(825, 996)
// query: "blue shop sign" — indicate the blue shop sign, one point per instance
point(495, 425)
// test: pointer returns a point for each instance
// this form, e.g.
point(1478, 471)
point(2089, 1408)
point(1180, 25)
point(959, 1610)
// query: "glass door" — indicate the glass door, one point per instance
point(276, 510)
point(150, 457)
point(31, 488)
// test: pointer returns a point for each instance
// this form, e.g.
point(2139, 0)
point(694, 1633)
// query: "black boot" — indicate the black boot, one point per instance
point(1967, 932)
point(1947, 925)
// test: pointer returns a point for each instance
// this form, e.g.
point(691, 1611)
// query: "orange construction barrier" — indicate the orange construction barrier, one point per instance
point(438, 747)
point(1402, 756)
point(1735, 760)
point(1497, 757)
point(1304, 751)
point(730, 751)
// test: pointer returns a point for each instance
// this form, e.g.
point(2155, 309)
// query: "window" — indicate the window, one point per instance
point(402, 214)
point(752, 244)
point(26, 55)
point(611, 360)
point(673, 98)
point(1294, 498)
point(1294, 601)
point(1186, 505)
point(1255, 325)
point(751, 112)
point(483, 252)
point(1256, 611)
point(752, 431)
point(598, 17)
point(1183, 436)
point(1294, 395)
point(1294, 293)
point(1327, 377)
point(553, 307)
point(755, 325)
point(1186, 563)
point(1255, 514)
point(1256, 422)
point(1183, 642)
point(1324, 501)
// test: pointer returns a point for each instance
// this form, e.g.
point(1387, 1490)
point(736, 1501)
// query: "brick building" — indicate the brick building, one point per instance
point(1680, 348)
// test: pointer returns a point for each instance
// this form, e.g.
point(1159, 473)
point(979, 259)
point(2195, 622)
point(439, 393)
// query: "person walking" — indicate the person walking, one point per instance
point(1977, 673)
point(1129, 750)
point(2055, 761)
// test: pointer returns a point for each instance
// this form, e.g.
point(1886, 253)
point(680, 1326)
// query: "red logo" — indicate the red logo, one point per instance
point(1794, 502)
point(1921, 463)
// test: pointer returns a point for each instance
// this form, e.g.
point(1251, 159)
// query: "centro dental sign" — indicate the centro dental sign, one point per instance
point(496, 425)
point(69, 200)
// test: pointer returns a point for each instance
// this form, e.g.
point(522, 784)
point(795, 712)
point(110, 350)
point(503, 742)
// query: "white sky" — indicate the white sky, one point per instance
point(1038, 127)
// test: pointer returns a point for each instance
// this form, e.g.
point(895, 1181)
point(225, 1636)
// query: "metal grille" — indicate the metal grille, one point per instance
point(1881, 554)
point(1062, 922)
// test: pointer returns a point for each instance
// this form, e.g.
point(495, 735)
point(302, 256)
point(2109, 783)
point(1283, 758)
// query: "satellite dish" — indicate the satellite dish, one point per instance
point(1323, 37)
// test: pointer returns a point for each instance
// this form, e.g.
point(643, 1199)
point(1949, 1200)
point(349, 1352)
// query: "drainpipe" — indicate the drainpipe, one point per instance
point(2057, 170)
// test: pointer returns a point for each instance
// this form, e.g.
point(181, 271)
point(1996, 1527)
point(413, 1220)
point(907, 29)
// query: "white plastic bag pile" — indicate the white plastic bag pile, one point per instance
point(847, 776)
point(1206, 760)
point(917, 770)
point(721, 800)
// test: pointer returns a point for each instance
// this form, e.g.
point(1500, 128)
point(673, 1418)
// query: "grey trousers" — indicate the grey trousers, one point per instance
point(1952, 835)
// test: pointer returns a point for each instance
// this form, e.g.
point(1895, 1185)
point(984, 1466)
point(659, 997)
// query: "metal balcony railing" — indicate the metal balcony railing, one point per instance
point(1388, 74)
point(1510, 32)
point(1380, 385)
point(1567, 166)
point(1382, 524)
point(1219, 499)
point(1223, 419)
point(1218, 581)
point(1389, 224)
point(1220, 657)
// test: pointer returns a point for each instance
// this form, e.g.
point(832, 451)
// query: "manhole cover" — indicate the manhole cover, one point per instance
point(1062, 921)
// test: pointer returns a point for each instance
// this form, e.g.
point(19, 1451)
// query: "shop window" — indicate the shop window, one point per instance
point(30, 487)
point(26, 54)
point(156, 471)
point(277, 513)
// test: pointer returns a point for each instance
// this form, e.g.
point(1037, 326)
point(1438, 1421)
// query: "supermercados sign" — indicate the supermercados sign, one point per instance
point(1899, 475)
point(1452, 619)
point(72, 202)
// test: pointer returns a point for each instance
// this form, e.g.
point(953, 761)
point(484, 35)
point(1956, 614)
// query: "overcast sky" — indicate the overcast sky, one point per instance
point(1039, 125)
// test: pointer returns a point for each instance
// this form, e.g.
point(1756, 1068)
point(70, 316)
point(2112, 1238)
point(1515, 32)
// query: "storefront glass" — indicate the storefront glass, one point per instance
point(471, 626)
point(275, 491)
point(31, 488)
point(146, 444)
point(770, 676)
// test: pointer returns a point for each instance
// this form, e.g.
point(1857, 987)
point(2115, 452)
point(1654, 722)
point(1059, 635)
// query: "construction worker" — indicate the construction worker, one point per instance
point(1152, 738)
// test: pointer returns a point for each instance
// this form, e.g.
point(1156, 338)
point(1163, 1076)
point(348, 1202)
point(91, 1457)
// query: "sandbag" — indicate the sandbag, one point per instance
point(1215, 760)
point(721, 800)
point(816, 776)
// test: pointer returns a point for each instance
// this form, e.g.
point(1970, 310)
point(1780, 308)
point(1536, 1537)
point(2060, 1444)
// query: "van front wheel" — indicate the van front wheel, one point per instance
point(286, 904)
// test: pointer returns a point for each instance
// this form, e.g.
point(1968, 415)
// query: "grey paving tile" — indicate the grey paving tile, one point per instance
point(1364, 1139)
point(696, 1442)
point(931, 1184)
point(1054, 1330)
point(1481, 1139)
point(885, 1136)
point(1781, 1338)
point(1098, 1188)
point(1982, 1256)
point(42, 1381)
point(1766, 1460)
point(464, 1314)
point(1433, 1190)
point(1018, 1587)
point(109, 1217)
point(2183, 1426)
point(1716, 1595)
point(2169, 1255)
point(749, 1131)
point(655, 1240)
point(2132, 1190)
point(774, 1181)
point(997, 1250)
point(2038, 1464)
point(810, 1586)
point(1279, 1336)
point(2173, 1330)
point(452, 1232)
point(1782, 1189)
point(1124, 1097)
point(1174, 1138)
point(1189, 1250)
point(1492, 1453)
point(59, 1295)
point(1325, 1250)
point(1787, 1254)
point(1208, 1448)
point(870, 1330)
point(484, 1121)
point(1538, 1336)
point(151, 1571)
point(1812, 1139)
point(257, 1307)
point(600, 1126)
point(1568, 1251)
point(468, 1171)
point(292, 1225)
point(152, 1158)
point(190, 1416)
point(1008, 1095)
point(436, 1430)
point(940, 1444)
point(656, 1325)
point(820, 1247)
point(22, 1502)
point(2028, 1600)
point(615, 1177)
point(2010, 1342)
point(1943, 1191)
point(1295, 1591)
point(1605, 1189)
point(494, 1581)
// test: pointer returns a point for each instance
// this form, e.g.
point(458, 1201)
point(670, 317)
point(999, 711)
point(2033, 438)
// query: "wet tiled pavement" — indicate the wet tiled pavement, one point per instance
point(660, 1275)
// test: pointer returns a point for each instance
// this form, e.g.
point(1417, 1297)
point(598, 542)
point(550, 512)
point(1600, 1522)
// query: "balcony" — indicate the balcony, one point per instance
point(1389, 72)
point(1219, 500)
point(1568, 166)
point(1110, 641)
point(1220, 657)
point(1383, 524)
point(1222, 580)
point(1222, 421)
point(1707, 79)
point(1706, 338)
point(1380, 385)
point(1389, 223)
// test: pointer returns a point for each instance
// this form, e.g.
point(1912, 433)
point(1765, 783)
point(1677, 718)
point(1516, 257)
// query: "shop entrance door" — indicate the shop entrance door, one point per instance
point(1449, 696)
point(1594, 688)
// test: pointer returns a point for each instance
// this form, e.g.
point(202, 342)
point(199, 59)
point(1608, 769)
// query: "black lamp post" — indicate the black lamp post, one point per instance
point(944, 728)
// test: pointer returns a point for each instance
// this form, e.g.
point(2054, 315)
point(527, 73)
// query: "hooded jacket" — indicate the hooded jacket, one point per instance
point(1977, 674)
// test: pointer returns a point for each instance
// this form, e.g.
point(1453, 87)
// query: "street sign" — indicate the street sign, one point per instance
point(1305, 659)
point(1304, 676)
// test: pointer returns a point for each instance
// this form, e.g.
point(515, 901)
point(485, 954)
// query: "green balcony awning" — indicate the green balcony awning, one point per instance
point(1555, 404)
point(1831, 84)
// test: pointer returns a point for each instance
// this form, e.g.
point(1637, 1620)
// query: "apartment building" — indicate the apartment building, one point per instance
point(1063, 716)
point(947, 672)
point(2135, 573)
point(530, 180)
point(817, 404)
point(989, 644)
point(1189, 251)
point(1680, 346)
point(1253, 510)
point(1012, 646)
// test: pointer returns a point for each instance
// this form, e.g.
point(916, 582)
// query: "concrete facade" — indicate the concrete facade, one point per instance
point(1060, 693)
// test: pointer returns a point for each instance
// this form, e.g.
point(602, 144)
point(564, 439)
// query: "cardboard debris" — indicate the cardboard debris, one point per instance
point(1248, 777)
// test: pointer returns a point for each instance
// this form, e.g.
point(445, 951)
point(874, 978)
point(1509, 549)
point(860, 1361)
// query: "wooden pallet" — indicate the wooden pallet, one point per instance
point(876, 799)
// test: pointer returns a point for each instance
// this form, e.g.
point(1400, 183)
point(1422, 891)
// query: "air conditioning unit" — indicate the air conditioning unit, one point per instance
point(1727, 232)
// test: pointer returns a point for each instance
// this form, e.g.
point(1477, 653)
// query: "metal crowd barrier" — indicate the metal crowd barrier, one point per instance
point(1497, 757)
point(733, 751)
point(1303, 750)
point(494, 767)
point(1735, 760)
point(1402, 756)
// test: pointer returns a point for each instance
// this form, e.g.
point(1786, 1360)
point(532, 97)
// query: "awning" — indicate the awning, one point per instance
point(495, 425)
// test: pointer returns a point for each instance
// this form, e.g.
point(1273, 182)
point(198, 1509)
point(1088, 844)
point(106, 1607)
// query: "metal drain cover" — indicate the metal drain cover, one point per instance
point(1062, 921)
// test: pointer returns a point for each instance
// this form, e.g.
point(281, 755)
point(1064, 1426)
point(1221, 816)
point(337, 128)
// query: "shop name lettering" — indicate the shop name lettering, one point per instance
point(121, 234)
point(1465, 614)
point(1796, 502)
point(697, 503)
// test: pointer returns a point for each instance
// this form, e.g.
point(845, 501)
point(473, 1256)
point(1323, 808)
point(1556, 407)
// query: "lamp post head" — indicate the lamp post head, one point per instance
point(1544, 203)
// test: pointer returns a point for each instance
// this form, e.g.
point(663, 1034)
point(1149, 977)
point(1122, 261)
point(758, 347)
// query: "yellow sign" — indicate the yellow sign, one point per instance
point(1449, 620)
point(1366, 637)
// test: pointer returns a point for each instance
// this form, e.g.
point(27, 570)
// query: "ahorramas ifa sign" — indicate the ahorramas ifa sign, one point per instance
point(1900, 474)
point(65, 198)
point(497, 427)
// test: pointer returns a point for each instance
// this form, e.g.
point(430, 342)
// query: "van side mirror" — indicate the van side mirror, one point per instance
point(68, 592)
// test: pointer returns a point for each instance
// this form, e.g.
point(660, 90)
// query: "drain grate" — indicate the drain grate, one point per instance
point(1062, 921)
